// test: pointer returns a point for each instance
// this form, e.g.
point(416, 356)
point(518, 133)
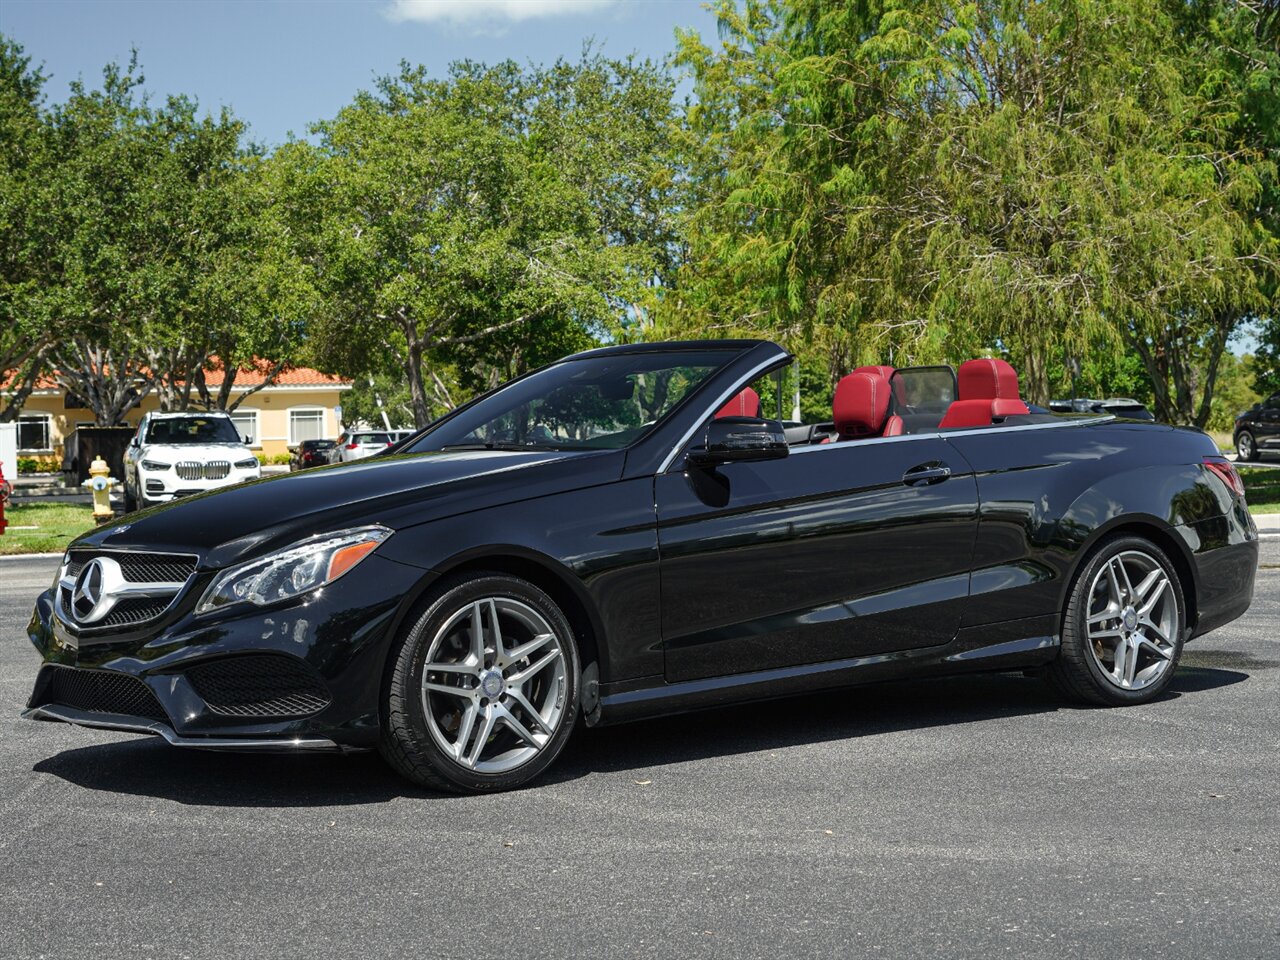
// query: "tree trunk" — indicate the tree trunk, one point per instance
point(1034, 376)
point(413, 369)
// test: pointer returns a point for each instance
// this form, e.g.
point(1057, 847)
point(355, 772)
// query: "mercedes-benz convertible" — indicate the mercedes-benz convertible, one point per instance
point(638, 530)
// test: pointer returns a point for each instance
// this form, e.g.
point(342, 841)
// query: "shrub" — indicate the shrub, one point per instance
point(37, 464)
point(280, 459)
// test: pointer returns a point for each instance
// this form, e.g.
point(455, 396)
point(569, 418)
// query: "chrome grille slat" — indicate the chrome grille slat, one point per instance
point(194, 470)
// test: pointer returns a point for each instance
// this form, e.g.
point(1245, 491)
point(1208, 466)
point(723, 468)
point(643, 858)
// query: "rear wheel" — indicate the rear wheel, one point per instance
point(483, 692)
point(1246, 446)
point(130, 501)
point(1123, 627)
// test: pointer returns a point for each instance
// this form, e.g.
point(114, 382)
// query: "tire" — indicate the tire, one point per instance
point(1103, 645)
point(1246, 446)
point(426, 734)
point(130, 501)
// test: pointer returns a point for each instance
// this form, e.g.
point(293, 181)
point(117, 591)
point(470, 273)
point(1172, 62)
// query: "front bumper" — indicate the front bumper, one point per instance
point(336, 640)
point(166, 486)
point(120, 721)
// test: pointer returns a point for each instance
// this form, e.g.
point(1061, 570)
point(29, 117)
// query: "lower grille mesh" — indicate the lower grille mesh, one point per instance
point(262, 685)
point(101, 691)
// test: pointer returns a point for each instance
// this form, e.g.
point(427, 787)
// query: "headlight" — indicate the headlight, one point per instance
point(293, 571)
point(154, 465)
point(247, 464)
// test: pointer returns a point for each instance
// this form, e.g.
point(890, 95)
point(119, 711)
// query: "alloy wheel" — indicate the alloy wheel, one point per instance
point(1244, 446)
point(1133, 621)
point(494, 685)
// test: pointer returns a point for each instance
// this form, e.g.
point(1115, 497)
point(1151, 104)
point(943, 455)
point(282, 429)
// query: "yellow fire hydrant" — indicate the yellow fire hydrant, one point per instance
point(100, 482)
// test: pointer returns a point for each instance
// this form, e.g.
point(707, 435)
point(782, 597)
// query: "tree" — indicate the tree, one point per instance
point(27, 327)
point(933, 180)
point(481, 219)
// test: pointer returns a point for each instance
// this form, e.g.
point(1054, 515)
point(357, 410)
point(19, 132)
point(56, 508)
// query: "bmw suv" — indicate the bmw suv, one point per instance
point(177, 454)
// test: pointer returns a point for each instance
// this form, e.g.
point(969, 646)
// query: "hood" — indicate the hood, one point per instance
point(201, 452)
point(233, 523)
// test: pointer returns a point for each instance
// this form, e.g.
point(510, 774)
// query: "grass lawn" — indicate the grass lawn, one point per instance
point(55, 524)
point(1261, 488)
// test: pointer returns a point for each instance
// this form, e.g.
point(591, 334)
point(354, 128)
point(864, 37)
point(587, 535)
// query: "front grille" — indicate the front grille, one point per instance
point(260, 686)
point(194, 470)
point(101, 691)
point(171, 571)
point(134, 610)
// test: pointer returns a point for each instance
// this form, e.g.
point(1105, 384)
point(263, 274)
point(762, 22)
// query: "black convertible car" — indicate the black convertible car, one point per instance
point(623, 534)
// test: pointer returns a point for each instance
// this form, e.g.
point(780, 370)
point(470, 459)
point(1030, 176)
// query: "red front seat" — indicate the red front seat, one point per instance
point(860, 406)
point(993, 380)
point(745, 403)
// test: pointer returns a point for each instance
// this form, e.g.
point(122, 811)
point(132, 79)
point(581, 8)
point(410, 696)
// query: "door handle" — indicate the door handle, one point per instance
point(926, 473)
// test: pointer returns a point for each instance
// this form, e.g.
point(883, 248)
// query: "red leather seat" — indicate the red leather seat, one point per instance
point(745, 403)
point(993, 380)
point(967, 413)
point(860, 407)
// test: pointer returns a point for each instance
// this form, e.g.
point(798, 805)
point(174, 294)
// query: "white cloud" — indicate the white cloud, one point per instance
point(488, 11)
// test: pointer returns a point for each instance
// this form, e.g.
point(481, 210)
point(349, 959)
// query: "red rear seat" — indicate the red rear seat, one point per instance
point(988, 388)
point(745, 403)
point(860, 406)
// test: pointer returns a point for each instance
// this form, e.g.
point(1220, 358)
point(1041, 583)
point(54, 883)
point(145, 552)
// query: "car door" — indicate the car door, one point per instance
point(132, 454)
point(1268, 422)
point(837, 551)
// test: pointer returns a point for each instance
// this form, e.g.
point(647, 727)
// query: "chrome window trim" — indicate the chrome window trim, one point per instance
point(944, 434)
point(752, 374)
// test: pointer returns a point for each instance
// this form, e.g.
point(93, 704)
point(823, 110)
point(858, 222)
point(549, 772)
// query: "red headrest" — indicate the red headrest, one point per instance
point(860, 405)
point(886, 372)
point(745, 403)
point(987, 379)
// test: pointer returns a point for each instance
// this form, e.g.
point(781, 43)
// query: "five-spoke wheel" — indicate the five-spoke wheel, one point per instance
point(1123, 627)
point(493, 686)
point(483, 694)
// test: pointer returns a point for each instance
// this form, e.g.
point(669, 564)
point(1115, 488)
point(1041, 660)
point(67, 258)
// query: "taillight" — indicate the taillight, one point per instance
point(1226, 472)
point(352, 446)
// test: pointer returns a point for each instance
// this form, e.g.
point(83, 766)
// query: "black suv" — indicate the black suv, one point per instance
point(311, 453)
point(1258, 429)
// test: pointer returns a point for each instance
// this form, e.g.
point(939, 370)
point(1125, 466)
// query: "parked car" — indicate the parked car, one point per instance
point(174, 455)
point(1257, 429)
point(610, 537)
point(311, 453)
point(358, 444)
point(1123, 407)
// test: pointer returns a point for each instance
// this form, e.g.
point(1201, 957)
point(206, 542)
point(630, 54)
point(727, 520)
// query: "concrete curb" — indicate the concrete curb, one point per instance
point(28, 556)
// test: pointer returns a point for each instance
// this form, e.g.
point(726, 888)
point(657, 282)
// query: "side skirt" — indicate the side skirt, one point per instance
point(1012, 645)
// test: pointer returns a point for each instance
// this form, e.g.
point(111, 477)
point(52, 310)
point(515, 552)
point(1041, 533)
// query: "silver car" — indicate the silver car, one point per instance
point(358, 444)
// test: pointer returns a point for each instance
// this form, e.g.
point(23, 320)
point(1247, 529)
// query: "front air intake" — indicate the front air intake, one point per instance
point(259, 686)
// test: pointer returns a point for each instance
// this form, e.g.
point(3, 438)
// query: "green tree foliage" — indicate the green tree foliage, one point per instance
point(27, 329)
point(931, 180)
point(491, 220)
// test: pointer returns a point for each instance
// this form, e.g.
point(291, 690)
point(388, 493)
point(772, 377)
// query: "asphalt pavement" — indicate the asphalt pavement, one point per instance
point(972, 817)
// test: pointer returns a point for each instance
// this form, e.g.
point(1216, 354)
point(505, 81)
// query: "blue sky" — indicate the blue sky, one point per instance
point(280, 64)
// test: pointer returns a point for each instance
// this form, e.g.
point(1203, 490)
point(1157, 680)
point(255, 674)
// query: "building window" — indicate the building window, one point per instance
point(35, 432)
point(246, 422)
point(305, 423)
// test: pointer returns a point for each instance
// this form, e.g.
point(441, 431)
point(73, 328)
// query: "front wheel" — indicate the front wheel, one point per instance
point(1123, 627)
point(1246, 446)
point(483, 691)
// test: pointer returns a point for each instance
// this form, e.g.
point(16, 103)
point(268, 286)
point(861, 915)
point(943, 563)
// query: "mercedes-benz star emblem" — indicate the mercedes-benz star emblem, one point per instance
point(88, 591)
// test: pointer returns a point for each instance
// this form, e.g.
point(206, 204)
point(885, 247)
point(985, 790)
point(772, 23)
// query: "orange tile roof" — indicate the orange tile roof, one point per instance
point(245, 377)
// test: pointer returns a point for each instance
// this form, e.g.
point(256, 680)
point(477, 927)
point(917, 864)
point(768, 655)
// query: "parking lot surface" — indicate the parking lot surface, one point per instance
point(973, 817)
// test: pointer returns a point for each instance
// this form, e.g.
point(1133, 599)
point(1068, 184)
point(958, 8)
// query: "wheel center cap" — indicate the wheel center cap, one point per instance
point(1129, 618)
point(492, 684)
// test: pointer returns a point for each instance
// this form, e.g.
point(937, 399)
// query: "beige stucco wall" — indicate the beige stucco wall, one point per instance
point(270, 409)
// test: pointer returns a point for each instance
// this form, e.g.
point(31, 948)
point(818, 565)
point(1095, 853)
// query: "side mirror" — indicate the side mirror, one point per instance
point(248, 441)
point(737, 439)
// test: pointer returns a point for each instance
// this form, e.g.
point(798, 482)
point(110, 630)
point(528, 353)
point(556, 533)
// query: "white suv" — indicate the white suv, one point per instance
point(177, 454)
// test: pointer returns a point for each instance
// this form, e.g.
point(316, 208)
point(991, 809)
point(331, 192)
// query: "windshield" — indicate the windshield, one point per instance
point(193, 430)
point(596, 403)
